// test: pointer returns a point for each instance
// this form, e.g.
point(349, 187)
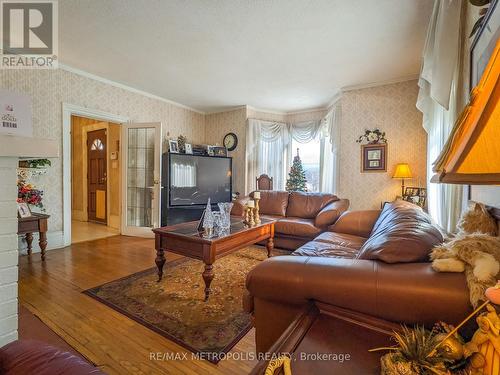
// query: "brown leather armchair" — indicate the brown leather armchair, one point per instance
point(300, 216)
point(330, 270)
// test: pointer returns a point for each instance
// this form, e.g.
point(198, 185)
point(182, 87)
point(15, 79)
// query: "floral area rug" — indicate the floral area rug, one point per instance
point(175, 307)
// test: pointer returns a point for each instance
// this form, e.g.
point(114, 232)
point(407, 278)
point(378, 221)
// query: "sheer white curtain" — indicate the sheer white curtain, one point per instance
point(304, 132)
point(269, 149)
point(329, 162)
point(267, 152)
point(437, 99)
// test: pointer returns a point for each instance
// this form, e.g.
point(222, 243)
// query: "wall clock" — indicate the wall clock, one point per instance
point(230, 141)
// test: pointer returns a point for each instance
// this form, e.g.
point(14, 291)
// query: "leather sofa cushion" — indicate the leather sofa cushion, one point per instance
point(273, 202)
point(331, 212)
point(35, 357)
point(359, 223)
point(326, 249)
point(307, 205)
point(403, 233)
point(297, 227)
point(341, 239)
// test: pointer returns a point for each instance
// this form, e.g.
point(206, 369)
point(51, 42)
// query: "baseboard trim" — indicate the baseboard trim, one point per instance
point(55, 240)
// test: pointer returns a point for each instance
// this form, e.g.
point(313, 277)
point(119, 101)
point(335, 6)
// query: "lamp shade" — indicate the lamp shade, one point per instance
point(402, 171)
point(472, 152)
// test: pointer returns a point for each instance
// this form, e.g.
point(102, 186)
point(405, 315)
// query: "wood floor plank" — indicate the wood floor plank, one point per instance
point(52, 290)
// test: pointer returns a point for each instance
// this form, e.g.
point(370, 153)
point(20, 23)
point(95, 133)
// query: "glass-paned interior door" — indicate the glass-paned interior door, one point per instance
point(141, 178)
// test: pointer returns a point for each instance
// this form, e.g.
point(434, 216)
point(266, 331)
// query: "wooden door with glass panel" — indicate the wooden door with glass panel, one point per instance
point(96, 175)
point(141, 178)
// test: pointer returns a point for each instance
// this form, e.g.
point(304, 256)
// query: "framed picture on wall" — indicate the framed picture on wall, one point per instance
point(484, 43)
point(374, 158)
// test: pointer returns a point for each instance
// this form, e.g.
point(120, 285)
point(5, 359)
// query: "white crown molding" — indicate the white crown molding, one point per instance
point(124, 87)
point(274, 112)
point(360, 86)
point(227, 110)
point(316, 109)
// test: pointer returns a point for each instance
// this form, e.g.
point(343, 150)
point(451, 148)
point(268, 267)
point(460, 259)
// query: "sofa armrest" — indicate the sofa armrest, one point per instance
point(331, 212)
point(407, 292)
point(357, 223)
point(238, 205)
point(35, 357)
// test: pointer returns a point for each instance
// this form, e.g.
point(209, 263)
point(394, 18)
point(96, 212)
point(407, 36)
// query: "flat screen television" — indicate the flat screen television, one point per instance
point(192, 179)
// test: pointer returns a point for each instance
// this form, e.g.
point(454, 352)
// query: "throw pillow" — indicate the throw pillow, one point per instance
point(403, 233)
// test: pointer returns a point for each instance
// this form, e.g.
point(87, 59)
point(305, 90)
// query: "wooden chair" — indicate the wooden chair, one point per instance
point(264, 182)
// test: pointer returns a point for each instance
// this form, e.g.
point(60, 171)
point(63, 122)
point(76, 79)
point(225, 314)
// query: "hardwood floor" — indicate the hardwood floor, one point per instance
point(118, 345)
point(82, 231)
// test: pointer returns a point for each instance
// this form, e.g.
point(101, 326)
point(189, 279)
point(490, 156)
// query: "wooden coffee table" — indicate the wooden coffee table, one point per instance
point(184, 239)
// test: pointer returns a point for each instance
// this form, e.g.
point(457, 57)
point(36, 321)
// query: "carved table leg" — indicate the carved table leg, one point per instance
point(29, 241)
point(208, 275)
point(160, 261)
point(270, 246)
point(43, 243)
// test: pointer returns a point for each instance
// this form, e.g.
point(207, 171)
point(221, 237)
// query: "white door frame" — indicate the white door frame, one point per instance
point(67, 111)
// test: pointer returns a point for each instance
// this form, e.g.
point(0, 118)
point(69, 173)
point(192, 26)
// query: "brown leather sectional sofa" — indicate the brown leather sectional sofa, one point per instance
point(373, 265)
point(301, 217)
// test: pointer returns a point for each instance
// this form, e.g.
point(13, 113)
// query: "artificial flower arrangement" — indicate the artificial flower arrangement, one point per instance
point(442, 351)
point(27, 193)
point(372, 137)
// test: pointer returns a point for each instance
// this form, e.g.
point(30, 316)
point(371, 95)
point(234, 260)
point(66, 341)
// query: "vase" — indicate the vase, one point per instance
point(225, 211)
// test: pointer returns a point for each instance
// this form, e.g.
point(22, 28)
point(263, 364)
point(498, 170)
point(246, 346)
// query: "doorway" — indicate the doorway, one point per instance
point(97, 176)
point(95, 179)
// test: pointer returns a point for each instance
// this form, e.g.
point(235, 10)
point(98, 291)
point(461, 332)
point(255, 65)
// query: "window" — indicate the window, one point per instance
point(310, 154)
point(271, 147)
point(97, 145)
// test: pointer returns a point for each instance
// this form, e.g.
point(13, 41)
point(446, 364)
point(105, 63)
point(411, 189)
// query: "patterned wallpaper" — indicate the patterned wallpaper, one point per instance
point(392, 109)
point(217, 125)
point(48, 89)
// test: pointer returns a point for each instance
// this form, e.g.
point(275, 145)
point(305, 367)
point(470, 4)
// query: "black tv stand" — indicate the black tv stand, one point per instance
point(176, 215)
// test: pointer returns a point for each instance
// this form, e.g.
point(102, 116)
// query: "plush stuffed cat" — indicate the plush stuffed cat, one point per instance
point(475, 250)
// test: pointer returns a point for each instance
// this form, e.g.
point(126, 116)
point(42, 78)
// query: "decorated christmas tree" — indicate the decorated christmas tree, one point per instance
point(297, 177)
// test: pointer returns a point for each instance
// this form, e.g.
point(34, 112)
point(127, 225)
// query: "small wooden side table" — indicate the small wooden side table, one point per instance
point(35, 223)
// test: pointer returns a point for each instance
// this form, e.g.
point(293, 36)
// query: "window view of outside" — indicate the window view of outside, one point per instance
point(310, 155)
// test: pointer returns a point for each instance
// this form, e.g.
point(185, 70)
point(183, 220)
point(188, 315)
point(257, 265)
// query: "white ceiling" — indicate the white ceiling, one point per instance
point(283, 55)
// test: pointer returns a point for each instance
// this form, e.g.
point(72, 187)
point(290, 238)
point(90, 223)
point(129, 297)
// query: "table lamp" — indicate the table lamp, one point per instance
point(402, 171)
